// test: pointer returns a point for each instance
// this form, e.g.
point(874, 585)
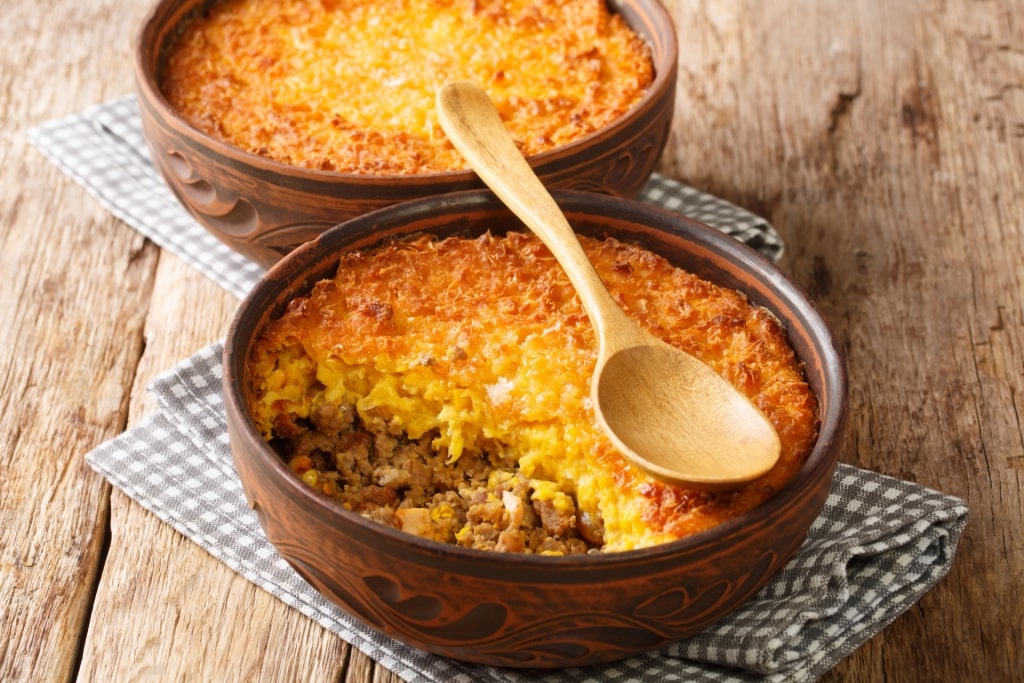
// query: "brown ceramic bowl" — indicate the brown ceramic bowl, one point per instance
point(529, 610)
point(263, 208)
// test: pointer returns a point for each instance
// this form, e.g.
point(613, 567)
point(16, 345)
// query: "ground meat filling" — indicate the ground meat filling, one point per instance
point(476, 502)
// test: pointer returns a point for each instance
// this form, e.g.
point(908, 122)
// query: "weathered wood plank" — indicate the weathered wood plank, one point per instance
point(181, 615)
point(76, 289)
point(885, 141)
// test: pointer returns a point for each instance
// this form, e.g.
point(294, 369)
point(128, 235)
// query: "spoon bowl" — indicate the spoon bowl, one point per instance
point(665, 410)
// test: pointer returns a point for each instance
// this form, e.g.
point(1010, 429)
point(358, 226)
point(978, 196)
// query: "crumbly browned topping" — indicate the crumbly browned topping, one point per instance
point(349, 85)
point(442, 386)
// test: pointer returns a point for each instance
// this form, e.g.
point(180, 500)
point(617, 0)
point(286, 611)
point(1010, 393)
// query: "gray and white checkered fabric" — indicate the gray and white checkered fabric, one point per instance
point(877, 547)
point(103, 150)
point(879, 544)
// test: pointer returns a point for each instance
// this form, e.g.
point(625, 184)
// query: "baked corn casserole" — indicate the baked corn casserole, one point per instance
point(349, 85)
point(441, 386)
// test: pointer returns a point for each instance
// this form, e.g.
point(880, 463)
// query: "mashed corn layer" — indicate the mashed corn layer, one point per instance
point(349, 85)
point(482, 346)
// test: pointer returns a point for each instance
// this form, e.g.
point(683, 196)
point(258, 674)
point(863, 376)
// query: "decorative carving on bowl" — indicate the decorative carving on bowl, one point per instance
point(477, 617)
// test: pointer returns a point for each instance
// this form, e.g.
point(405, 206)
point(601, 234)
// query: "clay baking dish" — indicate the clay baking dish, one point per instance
point(263, 208)
point(530, 610)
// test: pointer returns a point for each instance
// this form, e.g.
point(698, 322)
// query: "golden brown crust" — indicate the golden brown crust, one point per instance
point(483, 345)
point(349, 85)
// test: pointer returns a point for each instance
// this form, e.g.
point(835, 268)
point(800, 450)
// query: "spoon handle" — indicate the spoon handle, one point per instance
point(475, 128)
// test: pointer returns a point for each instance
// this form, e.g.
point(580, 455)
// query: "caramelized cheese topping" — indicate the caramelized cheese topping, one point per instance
point(471, 359)
point(349, 85)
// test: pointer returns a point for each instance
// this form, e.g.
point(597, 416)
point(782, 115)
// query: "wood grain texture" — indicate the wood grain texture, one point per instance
point(884, 140)
point(187, 602)
point(77, 285)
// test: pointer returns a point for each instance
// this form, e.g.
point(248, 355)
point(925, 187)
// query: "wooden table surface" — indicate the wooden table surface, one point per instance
point(883, 138)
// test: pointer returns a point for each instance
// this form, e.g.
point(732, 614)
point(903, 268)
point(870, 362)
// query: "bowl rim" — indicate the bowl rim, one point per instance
point(832, 413)
point(665, 73)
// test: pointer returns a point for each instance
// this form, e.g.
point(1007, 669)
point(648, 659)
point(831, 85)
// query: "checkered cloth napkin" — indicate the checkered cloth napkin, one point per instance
point(878, 546)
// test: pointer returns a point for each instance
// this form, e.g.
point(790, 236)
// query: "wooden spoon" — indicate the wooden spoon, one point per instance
point(665, 410)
